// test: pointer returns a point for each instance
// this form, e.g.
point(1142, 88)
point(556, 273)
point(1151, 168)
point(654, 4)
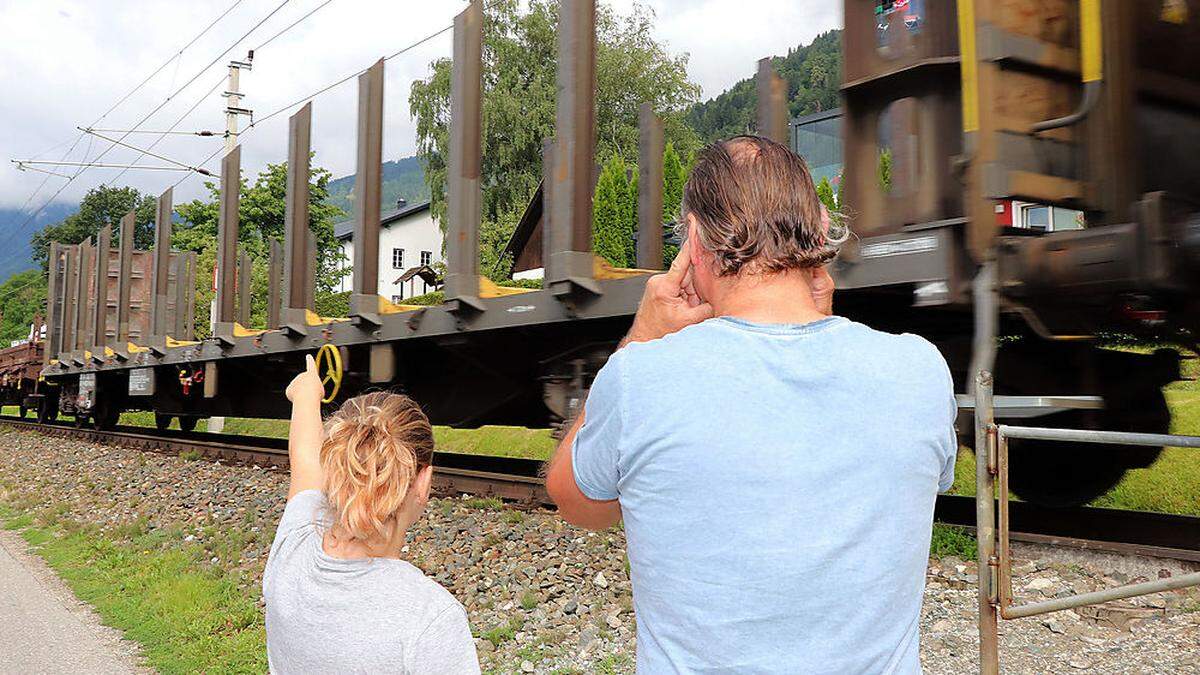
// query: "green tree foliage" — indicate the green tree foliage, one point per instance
point(520, 56)
point(22, 296)
point(883, 172)
point(610, 229)
point(100, 206)
point(813, 73)
point(261, 218)
point(826, 194)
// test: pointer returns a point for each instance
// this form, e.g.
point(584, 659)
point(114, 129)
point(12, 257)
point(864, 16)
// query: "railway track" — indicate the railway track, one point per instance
point(1112, 530)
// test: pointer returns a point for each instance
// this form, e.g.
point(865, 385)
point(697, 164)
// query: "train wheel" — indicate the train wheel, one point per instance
point(162, 421)
point(187, 422)
point(80, 420)
point(47, 412)
point(105, 416)
point(22, 411)
point(1070, 474)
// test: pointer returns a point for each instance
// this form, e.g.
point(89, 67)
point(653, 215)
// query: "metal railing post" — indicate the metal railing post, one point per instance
point(83, 289)
point(985, 525)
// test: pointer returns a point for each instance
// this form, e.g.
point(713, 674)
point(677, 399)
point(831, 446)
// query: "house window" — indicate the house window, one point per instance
point(397, 258)
point(426, 258)
point(1047, 218)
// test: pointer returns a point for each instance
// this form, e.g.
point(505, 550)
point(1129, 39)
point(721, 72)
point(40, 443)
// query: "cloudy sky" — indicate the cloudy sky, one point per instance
point(66, 62)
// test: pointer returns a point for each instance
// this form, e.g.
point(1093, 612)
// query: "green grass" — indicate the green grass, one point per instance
point(952, 540)
point(504, 632)
point(187, 616)
point(1170, 485)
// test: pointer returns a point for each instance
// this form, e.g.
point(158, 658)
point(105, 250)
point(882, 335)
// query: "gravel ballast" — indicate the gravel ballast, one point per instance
point(545, 597)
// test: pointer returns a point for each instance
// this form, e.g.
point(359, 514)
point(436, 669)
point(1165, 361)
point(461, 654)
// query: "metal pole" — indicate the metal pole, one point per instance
point(772, 103)
point(368, 186)
point(99, 321)
point(463, 164)
point(295, 221)
point(650, 189)
point(549, 244)
point(177, 263)
point(575, 139)
point(227, 244)
point(985, 525)
point(189, 312)
point(162, 262)
point(124, 283)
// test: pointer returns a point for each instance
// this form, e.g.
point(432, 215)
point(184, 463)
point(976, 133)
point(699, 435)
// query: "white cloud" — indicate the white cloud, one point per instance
point(65, 63)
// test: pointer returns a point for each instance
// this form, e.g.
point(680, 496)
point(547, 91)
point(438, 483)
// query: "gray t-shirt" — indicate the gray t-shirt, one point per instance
point(374, 615)
point(777, 484)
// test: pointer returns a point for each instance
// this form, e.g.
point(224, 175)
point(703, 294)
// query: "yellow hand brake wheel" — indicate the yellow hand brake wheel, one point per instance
point(331, 358)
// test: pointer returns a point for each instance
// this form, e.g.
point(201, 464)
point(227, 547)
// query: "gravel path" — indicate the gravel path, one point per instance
point(546, 597)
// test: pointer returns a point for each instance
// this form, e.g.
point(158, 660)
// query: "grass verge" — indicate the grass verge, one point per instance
point(188, 616)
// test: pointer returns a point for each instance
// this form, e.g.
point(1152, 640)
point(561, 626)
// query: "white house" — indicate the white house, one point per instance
point(409, 237)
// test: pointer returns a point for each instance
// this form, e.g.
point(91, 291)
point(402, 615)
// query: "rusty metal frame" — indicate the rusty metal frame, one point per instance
point(368, 186)
point(995, 574)
point(295, 221)
point(227, 244)
point(160, 295)
point(464, 193)
point(99, 319)
point(650, 189)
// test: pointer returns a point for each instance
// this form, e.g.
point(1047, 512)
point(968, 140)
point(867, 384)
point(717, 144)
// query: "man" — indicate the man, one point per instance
point(775, 466)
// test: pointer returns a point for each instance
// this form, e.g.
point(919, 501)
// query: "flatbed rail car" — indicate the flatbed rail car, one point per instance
point(975, 103)
point(20, 371)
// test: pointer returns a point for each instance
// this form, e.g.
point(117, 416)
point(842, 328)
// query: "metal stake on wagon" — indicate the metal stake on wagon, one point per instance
point(295, 222)
point(463, 165)
point(368, 185)
point(159, 321)
point(227, 238)
point(650, 189)
point(99, 320)
point(120, 342)
point(570, 271)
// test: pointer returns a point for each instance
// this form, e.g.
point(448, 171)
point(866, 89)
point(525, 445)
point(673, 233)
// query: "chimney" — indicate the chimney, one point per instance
point(401, 203)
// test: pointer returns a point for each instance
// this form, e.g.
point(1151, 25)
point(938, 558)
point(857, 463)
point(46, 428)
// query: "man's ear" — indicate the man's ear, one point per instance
point(691, 241)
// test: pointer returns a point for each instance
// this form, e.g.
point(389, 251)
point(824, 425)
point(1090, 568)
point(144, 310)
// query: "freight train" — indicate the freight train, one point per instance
point(977, 105)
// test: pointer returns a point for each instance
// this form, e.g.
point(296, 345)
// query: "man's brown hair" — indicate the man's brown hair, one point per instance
point(757, 210)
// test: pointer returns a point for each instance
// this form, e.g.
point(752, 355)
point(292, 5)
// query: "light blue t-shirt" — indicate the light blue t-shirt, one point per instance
point(777, 485)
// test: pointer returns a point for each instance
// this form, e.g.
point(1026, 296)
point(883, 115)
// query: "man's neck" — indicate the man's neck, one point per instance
point(783, 297)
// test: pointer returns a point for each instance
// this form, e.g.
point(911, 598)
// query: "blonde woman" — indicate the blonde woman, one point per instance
point(339, 596)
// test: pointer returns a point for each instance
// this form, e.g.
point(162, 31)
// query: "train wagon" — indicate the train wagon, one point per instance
point(976, 105)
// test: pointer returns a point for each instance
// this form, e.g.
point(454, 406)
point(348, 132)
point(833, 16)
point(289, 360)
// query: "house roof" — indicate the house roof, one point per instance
point(345, 229)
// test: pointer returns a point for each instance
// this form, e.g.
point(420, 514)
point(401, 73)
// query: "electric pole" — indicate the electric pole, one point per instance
point(233, 109)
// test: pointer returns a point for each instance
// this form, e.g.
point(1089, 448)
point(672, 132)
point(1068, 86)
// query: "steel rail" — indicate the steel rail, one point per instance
point(1111, 530)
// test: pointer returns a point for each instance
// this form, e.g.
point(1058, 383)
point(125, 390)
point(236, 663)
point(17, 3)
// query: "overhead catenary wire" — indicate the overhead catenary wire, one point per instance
point(322, 90)
point(160, 106)
point(259, 47)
